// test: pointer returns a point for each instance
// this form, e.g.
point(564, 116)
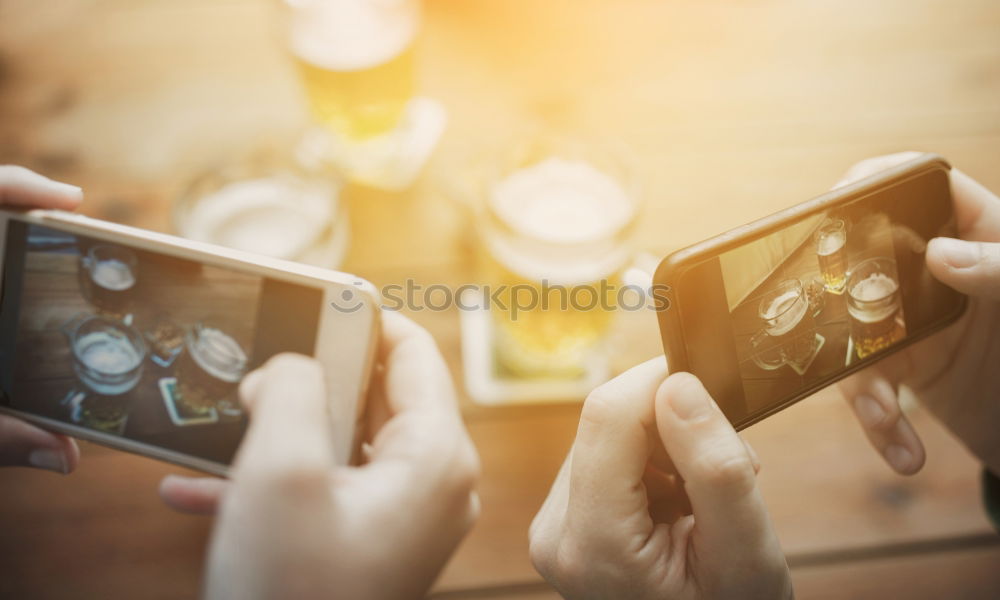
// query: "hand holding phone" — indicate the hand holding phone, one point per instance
point(954, 372)
point(291, 520)
point(23, 444)
point(657, 498)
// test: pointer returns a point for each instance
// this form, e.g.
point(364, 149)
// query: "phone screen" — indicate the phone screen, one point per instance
point(775, 317)
point(140, 345)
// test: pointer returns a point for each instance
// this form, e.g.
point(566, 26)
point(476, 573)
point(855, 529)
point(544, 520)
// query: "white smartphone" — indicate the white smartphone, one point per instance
point(138, 340)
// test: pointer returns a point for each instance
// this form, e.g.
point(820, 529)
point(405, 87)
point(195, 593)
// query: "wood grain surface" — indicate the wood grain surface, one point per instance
point(731, 110)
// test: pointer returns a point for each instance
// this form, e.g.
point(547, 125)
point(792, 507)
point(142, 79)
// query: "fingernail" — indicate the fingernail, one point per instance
point(690, 404)
point(47, 458)
point(958, 254)
point(69, 188)
point(870, 412)
point(899, 457)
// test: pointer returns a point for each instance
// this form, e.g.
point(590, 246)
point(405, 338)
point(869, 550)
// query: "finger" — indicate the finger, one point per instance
point(873, 165)
point(717, 471)
point(193, 495)
point(977, 210)
point(248, 388)
point(612, 448)
point(23, 188)
point(289, 428)
point(420, 410)
point(416, 374)
point(970, 267)
point(873, 398)
point(422, 453)
point(23, 444)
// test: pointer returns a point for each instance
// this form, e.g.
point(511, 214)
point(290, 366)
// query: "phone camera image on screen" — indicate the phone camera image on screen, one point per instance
point(138, 344)
point(819, 295)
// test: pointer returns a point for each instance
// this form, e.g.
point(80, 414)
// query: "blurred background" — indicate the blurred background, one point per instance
point(718, 112)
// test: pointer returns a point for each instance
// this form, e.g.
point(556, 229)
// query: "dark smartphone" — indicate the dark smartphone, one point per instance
point(775, 310)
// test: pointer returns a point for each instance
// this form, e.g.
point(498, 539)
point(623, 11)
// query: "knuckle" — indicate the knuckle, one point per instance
point(300, 480)
point(599, 406)
point(733, 474)
point(464, 468)
point(541, 550)
point(569, 563)
point(473, 511)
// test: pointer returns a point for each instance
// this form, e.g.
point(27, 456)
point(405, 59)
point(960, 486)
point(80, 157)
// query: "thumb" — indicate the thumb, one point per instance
point(718, 476)
point(26, 445)
point(289, 432)
point(970, 267)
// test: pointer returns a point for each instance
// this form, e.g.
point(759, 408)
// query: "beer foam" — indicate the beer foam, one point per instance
point(112, 274)
point(350, 35)
point(219, 355)
point(784, 314)
point(107, 354)
point(830, 243)
point(567, 214)
point(874, 287)
point(273, 216)
point(562, 201)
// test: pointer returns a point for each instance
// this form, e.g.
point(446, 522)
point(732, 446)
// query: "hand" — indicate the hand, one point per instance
point(22, 444)
point(954, 373)
point(292, 524)
point(657, 499)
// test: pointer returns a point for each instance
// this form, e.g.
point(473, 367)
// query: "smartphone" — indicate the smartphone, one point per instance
point(138, 340)
point(775, 310)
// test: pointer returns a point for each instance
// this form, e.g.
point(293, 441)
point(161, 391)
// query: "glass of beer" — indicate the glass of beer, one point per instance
point(110, 274)
point(355, 58)
point(108, 358)
point(788, 322)
point(269, 202)
point(555, 230)
point(209, 370)
point(874, 306)
point(831, 252)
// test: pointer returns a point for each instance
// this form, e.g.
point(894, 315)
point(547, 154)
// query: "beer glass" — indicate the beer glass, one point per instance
point(789, 328)
point(874, 306)
point(270, 203)
point(555, 229)
point(209, 370)
point(831, 252)
point(355, 59)
point(110, 274)
point(107, 359)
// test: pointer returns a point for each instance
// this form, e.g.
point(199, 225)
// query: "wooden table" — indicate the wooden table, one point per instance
point(732, 110)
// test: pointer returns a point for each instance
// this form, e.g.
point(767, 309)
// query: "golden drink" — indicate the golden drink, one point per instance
point(210, 369)
point(789, 322)
point(554, 249)
point(110, 278)
point(362, 103)
point(831, 252)
point(874, 306)
point(355, 58)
